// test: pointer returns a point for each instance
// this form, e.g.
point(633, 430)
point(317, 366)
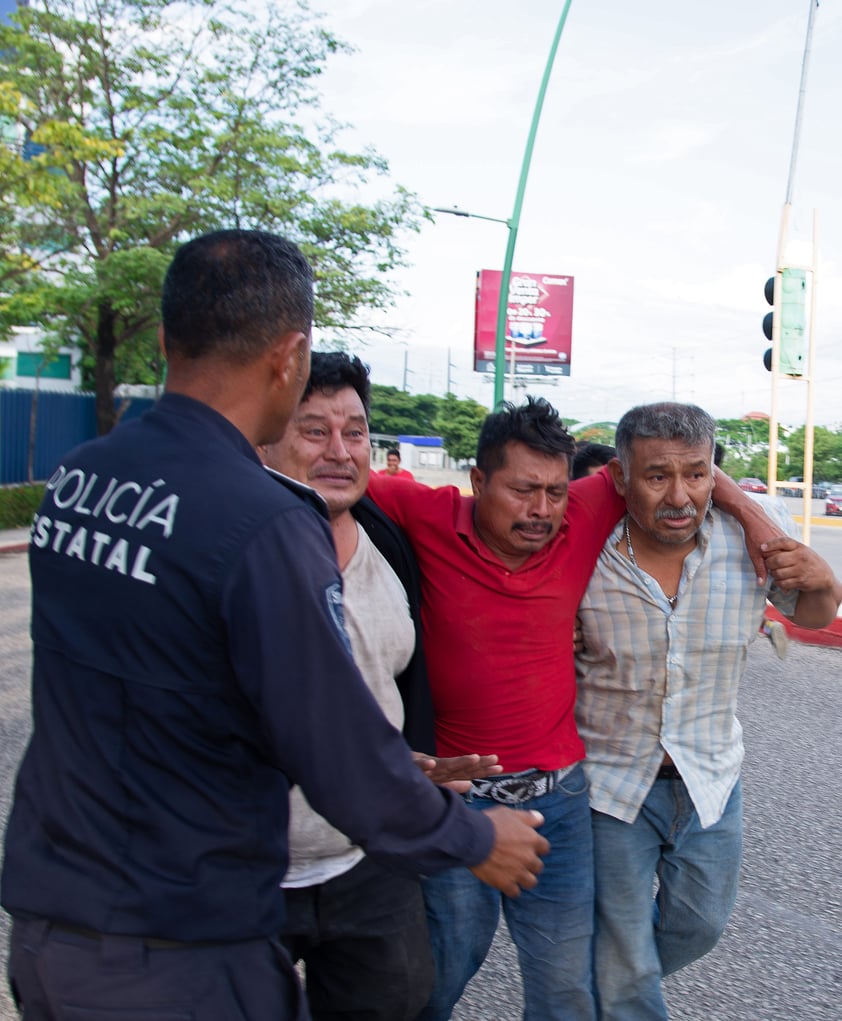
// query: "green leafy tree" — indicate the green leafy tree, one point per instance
point(158, 121)
point(599, 432)
point(746, 443)
point(458, 423)
point(27, 183)
point(827, 453)
point(398, 413)
point(757, 466)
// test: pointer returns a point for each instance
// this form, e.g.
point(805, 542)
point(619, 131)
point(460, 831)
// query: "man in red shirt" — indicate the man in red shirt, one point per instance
point(393, 466)
point(503, 573)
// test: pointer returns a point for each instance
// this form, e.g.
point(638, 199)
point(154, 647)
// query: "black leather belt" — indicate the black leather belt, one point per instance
point(669, 771)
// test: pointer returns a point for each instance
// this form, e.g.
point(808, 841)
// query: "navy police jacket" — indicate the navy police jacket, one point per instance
point(189, 664)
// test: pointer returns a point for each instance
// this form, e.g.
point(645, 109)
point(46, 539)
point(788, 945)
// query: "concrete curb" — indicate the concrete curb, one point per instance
point(13, 547)
point(830, 637)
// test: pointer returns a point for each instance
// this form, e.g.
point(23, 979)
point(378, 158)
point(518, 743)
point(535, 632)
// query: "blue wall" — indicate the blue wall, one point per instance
point(63, 421)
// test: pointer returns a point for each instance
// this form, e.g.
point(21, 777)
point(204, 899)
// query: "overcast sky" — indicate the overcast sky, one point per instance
point(658, 179)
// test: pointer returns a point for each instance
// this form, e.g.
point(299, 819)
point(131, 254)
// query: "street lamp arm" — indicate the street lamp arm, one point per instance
point(474, 216)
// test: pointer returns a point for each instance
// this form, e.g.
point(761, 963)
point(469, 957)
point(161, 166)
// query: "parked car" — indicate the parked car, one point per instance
point(820, 490)
point(752, 485)
point(833, 501)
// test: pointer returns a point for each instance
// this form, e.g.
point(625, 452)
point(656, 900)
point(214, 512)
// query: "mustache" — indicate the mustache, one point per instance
point(675, 513)
point(333, 473)
point(532, 526)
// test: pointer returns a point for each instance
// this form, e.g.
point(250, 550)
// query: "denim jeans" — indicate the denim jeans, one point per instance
point(550, 925)
point(638, 940)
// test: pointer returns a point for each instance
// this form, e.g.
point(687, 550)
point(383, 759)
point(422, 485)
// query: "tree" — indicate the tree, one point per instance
point(601, 432)
point(397, 413)
point(457, 420)
point(746, 442)
point(459, 423)
point(827, 453)
point(160, 120)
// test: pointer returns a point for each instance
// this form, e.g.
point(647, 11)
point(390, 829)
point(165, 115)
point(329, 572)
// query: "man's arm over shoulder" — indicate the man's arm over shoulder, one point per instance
point(396, 501)
point(757, 526)
point(596, 498)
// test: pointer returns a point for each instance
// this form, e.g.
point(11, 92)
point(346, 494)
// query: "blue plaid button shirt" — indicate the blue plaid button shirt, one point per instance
point(655, 679)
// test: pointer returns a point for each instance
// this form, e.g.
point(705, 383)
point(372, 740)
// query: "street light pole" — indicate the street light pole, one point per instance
point(782, 261)
point(513, 223)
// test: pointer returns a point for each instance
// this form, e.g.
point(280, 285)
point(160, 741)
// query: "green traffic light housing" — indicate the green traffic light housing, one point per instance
point(793, 321)
point(793, 313)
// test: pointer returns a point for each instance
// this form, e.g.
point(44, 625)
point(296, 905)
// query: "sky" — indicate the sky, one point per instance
point(658, 179)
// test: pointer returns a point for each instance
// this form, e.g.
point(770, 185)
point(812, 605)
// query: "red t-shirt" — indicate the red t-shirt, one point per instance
point(401, 473)
point(499, 643)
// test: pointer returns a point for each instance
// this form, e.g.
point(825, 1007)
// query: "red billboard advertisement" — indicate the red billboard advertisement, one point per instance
point(539, 323)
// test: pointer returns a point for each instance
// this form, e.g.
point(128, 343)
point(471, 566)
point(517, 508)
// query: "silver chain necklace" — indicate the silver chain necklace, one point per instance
point(672, 600)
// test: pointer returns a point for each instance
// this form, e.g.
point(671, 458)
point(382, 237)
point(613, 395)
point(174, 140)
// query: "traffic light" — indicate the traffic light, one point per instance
point(792, 301)
point(769, 291)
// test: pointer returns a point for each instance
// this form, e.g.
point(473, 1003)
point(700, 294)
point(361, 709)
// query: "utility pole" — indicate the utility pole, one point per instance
point(450, 365)
point(783, 265)
point(514, 221)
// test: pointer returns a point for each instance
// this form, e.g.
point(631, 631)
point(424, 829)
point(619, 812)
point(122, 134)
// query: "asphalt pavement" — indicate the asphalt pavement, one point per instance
point(781, 956)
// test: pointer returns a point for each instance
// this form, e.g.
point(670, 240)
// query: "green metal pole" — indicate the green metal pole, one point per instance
point(514, 222)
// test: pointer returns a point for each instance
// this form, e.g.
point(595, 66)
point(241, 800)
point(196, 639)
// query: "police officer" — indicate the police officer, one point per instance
point(190, 664)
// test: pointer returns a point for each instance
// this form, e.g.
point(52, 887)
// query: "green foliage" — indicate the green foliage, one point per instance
point(599, 432)
point(161, 120)
point(459, 423)
point(18, 504)
point(456, 420)
point(746, 442)
point(397, 413)
point(827, 454)
point(757, 466)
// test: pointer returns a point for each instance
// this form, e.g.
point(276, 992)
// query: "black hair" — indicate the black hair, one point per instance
point(393, 452)
point(232, 293)
point(590, 455)
point(664, 421)
point(334, 370)
point(536, 424)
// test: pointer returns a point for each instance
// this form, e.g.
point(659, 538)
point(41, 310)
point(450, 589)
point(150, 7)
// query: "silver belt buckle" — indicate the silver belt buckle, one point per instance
point(515, 788)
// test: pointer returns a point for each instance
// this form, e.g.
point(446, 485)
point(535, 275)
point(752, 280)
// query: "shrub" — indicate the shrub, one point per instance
point(18, 504)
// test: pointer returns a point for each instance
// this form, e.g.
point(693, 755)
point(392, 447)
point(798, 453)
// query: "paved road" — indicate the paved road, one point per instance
point(781, 958)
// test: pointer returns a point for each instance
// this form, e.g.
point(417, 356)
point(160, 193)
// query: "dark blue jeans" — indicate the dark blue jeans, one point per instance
point(58, 975)
point(551, 925)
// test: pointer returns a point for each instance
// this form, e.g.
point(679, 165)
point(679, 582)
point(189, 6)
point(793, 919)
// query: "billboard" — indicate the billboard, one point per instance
point(539, 323)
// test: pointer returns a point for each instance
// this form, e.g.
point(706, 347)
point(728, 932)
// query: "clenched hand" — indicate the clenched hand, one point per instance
point(515, 860)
